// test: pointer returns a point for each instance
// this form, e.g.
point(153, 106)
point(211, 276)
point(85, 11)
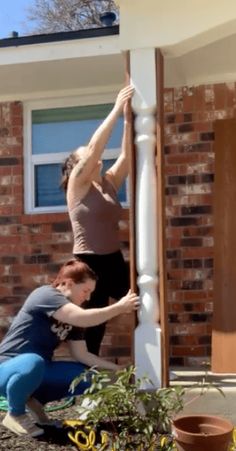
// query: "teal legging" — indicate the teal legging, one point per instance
point(30, 375)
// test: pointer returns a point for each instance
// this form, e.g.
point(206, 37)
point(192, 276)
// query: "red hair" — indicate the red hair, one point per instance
point(75, 270)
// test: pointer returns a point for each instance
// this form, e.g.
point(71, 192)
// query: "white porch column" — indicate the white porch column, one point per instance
point(147, 333)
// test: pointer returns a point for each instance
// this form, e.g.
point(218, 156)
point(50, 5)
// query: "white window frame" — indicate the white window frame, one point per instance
point(30, 160)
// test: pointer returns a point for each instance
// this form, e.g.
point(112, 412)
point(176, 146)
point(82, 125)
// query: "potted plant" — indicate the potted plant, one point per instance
point(123, 416)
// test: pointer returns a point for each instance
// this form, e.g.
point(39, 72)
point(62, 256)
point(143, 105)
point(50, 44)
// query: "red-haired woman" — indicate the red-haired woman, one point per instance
point(51, 314)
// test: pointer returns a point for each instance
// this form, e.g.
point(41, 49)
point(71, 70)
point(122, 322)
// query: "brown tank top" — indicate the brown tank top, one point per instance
point(95, 220)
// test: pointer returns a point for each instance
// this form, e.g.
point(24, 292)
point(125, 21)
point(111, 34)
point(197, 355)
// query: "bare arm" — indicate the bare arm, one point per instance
point(119, 170)
point(79, 352)
point(77, 316)
point(82, 171)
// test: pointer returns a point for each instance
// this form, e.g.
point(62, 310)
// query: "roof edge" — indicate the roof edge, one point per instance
point(58, 37)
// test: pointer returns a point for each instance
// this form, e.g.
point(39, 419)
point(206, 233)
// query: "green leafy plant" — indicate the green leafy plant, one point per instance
point(134, 419)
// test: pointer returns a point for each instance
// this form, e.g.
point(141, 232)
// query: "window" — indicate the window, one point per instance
point(52, 131)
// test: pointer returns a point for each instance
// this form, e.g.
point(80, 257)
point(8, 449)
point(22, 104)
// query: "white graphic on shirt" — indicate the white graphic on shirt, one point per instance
point(61, 330)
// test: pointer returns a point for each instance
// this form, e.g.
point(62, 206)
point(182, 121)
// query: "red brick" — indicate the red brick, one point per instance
point(199, 98)
point(188, 99)
point(4, 170)
point(188, 329)
point(203, 127)
point(169, 100)
point(182, 158)
point(197, 252)
point(189, 350)
point(172, 170)
point(44, 218)
point(17, 170)
point(220, 96)
point(176, 307)
point(185, 155)
point(16, 109)
point(17, 130)
point(195, 295)
point(230, 95)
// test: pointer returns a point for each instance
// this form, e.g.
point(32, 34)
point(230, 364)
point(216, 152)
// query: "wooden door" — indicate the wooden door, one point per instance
point(224, 315)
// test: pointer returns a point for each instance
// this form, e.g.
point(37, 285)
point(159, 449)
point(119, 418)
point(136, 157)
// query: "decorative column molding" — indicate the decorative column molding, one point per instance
point(147, 333)
point(146, 237)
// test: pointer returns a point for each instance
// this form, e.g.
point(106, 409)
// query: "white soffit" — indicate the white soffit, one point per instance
point(213, 63)
point(60, 77)
point(60, 68)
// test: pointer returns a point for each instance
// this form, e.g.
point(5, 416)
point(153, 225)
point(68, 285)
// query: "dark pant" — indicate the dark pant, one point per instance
point(113, 281)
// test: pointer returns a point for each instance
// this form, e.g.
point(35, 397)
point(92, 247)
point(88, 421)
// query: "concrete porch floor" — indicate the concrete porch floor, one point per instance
point(212, 402)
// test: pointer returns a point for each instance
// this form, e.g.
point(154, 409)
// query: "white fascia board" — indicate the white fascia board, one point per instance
point(79, 48)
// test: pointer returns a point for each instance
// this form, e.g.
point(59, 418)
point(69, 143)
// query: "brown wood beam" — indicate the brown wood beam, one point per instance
point(224, 280)
point(132, 183)
point(161, 219)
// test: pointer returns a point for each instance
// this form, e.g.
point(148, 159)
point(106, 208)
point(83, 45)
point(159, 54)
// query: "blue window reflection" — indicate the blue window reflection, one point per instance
point(48, 192)
point(67, 136)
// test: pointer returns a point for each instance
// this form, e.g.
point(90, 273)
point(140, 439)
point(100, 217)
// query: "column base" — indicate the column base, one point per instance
point(147, 353)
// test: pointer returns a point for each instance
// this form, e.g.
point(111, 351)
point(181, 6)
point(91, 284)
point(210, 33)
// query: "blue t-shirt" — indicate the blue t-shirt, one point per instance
point(35, 330)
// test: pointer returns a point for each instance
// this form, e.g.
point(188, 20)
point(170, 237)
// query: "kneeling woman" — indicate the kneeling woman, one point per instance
point(51, 314)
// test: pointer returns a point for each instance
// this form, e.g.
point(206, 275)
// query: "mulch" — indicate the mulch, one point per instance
point(54, 439)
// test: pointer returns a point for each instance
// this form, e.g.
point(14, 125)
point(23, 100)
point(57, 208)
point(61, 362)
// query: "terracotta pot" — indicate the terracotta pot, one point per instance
point(202, 433)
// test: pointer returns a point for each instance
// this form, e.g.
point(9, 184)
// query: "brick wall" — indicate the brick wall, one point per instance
point(32, 247)
point(189, 156)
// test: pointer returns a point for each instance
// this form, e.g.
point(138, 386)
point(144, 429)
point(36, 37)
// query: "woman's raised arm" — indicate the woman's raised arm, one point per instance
point(92, 153)
point(119, 170)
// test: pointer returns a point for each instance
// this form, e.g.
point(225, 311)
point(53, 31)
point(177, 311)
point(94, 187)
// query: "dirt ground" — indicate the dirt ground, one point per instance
point(53, 440)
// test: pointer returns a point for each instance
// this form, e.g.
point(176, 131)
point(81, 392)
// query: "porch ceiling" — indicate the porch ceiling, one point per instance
point(60, 77)
point(68, 68)
point(212, 63)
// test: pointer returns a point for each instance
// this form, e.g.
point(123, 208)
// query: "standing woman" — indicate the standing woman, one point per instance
point(95, 211)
